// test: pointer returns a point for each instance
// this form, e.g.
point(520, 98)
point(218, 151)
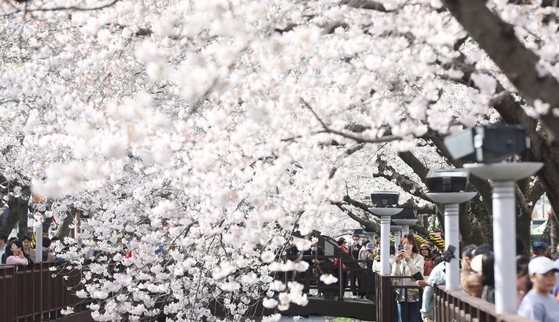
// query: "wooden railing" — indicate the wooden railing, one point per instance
point(35, 295)
point(386, 296)
point(458, 306)
point(351, 276)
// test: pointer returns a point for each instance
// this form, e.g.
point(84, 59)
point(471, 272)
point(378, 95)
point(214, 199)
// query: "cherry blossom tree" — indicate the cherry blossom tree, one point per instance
point(200, 135)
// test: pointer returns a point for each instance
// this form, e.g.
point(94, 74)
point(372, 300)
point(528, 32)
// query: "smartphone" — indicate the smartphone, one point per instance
point(418, 276)
point(400, 247)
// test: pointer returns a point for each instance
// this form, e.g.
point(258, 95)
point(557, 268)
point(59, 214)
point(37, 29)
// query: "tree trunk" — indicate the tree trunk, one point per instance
point(23, 223)
point(64, 227)
point(468, 233)
point(18, 211)
point(523, 223)
point(481, 216)
point(553, 234)
point(10, 222)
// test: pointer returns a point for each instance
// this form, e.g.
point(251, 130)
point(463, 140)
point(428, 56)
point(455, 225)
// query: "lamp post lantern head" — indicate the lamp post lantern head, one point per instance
point(449, 180)
point(407, 217)
point(489, 143)
point(408, 212)
point(385, 198)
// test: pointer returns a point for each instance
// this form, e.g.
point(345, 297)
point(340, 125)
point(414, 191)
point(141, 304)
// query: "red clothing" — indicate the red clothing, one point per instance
point(428, 267)
point(336, 259)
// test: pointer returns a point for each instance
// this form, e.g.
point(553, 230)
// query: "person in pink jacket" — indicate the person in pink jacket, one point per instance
point(15, 256)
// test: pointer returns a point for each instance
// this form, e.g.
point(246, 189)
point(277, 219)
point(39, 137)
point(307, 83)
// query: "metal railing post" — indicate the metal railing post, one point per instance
point(40, 291)
point(341, 277)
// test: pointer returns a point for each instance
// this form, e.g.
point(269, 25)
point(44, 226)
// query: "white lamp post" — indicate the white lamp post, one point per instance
point(385, 214)
point(451, 231)
point(504, 225)
point(39, 243)
point(397, 231)
point(405, 223)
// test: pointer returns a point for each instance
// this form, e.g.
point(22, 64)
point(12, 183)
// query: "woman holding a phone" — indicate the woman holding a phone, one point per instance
point(408, 262)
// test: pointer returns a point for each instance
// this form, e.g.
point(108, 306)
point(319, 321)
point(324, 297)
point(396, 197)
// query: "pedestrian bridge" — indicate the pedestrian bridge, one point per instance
point(35, 295)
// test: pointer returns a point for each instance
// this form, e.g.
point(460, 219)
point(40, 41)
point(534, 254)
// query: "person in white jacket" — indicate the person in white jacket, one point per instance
point(407, 262)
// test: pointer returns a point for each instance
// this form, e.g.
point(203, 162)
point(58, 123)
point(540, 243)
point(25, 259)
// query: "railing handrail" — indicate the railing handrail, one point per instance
point(35, 294)
point(464, 302)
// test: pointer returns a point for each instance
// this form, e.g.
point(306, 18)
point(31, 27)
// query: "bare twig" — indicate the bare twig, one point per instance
point(356, 138)
point(71, 8)
point(365, 4)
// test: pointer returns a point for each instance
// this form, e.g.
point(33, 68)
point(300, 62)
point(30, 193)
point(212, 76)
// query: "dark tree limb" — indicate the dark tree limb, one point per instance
point(404, 182)
point(64, 227)
point(353, 137)
point(10, 222)
point(346, 153)
point(519, 64)
point(66, 8)
point(18, 212)
point(525, 209)
point(427, 210)
point(413, 162)
point(365, 4)
point(420, 229)
point(536, 193)
point(364, 222)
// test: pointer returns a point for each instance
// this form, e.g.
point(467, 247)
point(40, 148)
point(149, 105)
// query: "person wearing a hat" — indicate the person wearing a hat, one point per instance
point(538, 304)
point(436, 257)
point(429, 265)
point(539, 249)
point(363, 252)
point(424, 251)
point(431, 246)
point(370, 257)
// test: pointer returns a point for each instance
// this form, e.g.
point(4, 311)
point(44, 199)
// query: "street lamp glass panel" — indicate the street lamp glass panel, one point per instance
point(385, 198)
point(408, 212)
point(449, 180)
point(489, 143)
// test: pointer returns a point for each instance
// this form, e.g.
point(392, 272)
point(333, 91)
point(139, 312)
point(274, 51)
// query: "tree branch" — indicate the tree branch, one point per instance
point(367, 223)
point(365, 4)
point(346, 153)
point(356, 138)
point(72, 8)
point(536, 193)
point(418, 167)
point(520, 65)
point(404, 182)
point(364, 222)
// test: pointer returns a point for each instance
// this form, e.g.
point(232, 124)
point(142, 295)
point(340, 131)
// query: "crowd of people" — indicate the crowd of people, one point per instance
point(19, 252)
point(537, 283)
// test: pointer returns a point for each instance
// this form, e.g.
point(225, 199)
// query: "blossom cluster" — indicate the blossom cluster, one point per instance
point(197, 136)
